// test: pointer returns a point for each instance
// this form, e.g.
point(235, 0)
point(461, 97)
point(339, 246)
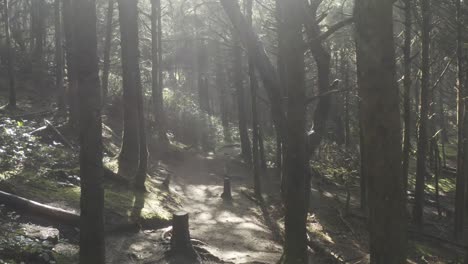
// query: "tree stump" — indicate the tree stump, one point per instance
point(227, 196)
point(180, 240)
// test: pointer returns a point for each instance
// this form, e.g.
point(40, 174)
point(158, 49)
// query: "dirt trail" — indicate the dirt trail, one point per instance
point(234, 232)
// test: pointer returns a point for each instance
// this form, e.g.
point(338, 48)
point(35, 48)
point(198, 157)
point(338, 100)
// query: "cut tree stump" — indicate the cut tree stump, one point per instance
point(180, 241)
point(227, 195)
point(22, 204)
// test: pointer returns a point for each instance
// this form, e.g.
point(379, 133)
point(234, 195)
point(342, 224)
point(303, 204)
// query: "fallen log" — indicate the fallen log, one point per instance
point(59, 134)
point(34, 114)
point(316, 246)
point(29, 206)
point(418, 235)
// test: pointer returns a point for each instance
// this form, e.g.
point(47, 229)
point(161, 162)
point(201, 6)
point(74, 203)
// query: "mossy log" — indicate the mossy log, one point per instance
point(29, 206)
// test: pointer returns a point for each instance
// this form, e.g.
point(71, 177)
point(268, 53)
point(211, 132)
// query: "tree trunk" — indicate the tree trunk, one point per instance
point(407, 89)
point(295, 150)
point(60, 89)
point(72, 93)
point(38, 35)
point(364, 176)
point(92, 248)
point(281, 76)
point(347, 103)
point(323, 60)
point(239, 87)
point(223, 101)
point(129, 153)
point(107, 51)
point(462, 92)
point(424, 111)
point(255, 126)
point(9, 55)
point(143, 164)
point(156, 73)
point(262, 63)
point(381, 130)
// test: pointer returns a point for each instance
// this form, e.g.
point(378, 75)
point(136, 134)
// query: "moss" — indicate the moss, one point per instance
point(446, 185)
point(64, 253)
point(423, 249)
point(451, 151)
point(144, 206)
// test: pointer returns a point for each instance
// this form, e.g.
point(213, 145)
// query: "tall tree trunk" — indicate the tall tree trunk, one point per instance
point(364, 176)
point(281, 76)
point(322, 59)
point(407, 89)
point(261, 146)
point(462, 131)
point(72, 92)
point(347, 104)
point(255, 126)
point(38, 35)
point(107, 51)
point(239, 87)
point(9, 55)
point(140, 178)
point(223, 101)
point(92, 249)
point(129, 153)
point(156, 73)
point(59, 57)
point(380, 113)
point(424, 111)
point(295, 150)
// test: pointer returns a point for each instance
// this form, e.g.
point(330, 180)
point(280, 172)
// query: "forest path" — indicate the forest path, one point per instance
point(233, 231)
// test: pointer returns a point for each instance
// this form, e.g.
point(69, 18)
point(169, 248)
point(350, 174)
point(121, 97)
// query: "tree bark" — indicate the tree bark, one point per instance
point(38, 36)
point(156, 73)
point(407, 89)
point(223, 101)
point(60, 89)
point(9, 55)
point(107, 51)
point(92, 248)
point(462, 92)
point(240, 98)
point(140, 178)
point(295, 149)
point(255, 126)
point(424, 112)
point(281, 76)
point(129, 153)
point(380, 113)
point(322, 59)
point(72, 92)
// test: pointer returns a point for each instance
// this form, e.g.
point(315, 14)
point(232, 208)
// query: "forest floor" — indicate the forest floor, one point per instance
point(38, 164)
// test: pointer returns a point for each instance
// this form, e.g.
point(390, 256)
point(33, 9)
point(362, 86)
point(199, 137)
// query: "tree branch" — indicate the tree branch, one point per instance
point(332, 29)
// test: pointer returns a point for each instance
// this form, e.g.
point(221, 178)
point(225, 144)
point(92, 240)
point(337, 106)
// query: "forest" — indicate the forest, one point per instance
point(233, 131)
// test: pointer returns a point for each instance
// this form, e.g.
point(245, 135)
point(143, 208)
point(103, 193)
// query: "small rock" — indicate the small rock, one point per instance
point(42, 233)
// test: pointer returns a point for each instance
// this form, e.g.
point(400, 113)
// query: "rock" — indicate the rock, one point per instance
point(41, 233)
point(65, 253)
